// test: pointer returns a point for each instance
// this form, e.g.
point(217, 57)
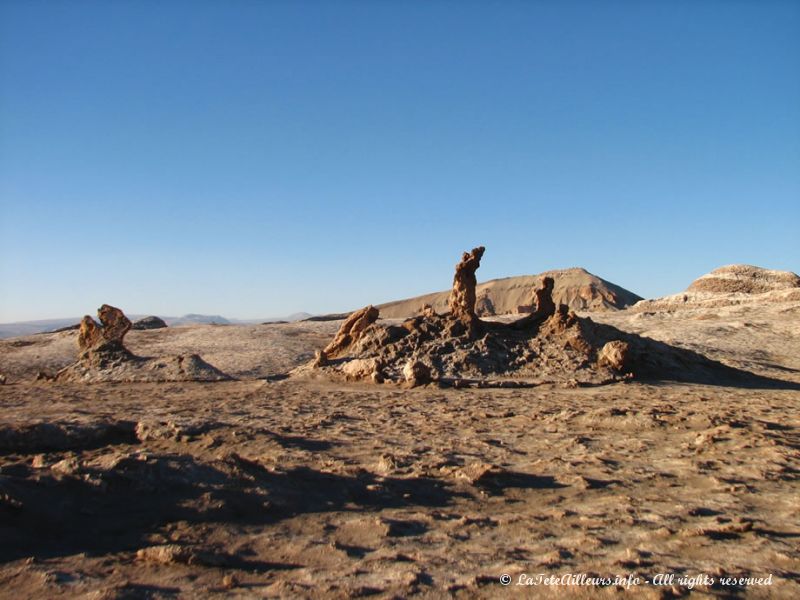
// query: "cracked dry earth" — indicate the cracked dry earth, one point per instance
point(300, 489)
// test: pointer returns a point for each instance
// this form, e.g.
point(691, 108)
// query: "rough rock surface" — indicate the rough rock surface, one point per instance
point(94, 338)
point(543, 305)
point(104, 357)
point(351, 330)
point(615, 355)
point(416, 373)
point(462, 296)
point(151, 322)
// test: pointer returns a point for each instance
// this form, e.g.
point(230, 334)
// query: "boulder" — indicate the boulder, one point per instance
point(362, 368)
point(416, 373)
point(616, 355)
point(151, 322)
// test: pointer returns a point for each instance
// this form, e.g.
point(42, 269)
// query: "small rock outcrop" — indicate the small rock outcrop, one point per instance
point(616, 355)
point(462, 296)
point(103, 356)
point(351, 330)
point(105, 338)
point(542, 306)
point(416, 373)
point(151, 322)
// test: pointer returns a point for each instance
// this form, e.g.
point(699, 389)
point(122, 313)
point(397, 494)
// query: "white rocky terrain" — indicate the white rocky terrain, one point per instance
point(728, 286)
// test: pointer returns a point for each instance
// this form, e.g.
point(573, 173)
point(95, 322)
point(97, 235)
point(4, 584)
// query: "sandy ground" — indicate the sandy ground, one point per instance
point(283, 488)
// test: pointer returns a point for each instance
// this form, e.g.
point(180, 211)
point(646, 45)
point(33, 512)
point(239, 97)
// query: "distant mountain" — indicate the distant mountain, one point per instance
point(8, 330)
point(22, 328)
point(195, 319)
point(298, 316)
point(577, 288)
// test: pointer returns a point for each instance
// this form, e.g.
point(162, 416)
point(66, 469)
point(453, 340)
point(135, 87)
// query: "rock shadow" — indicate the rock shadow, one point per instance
point(655, 361)
point(116, 502)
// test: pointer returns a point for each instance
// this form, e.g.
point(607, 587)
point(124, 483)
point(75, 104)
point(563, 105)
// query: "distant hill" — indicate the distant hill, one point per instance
point(730, 285)
point(195, 319)
point(744, 279)
point(21, 328)
point(576, 287)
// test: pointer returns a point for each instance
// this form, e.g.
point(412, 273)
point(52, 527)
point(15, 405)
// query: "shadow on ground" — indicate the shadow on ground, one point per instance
point(114, 508)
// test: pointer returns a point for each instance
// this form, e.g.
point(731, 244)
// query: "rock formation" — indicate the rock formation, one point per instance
point(577, 288)
point(351, 330)
point(730, 286)
point(744, 279)
point(615, 355)
point(458, 345)
point(416, 373)
point(95, 339)
point(552, 344)
point(104, 357)
point(542, 305)
point(462, 296)
point(149, 323)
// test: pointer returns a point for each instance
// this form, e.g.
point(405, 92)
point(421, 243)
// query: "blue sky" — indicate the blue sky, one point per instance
point(253, 159)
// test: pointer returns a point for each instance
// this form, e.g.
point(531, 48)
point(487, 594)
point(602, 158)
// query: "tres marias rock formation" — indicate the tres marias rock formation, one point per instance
point(550, 343)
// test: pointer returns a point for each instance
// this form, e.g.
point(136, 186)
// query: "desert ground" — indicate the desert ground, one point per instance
point(273, 486)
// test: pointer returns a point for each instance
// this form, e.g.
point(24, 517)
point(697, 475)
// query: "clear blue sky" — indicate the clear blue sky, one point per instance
point(253, 159)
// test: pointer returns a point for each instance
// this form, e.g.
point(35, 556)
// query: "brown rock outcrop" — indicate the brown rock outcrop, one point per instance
point(615, 354)
point(94, 338)
point(543, 304)
point(362, 368)
point(351, 330)
point(462, 296)
point(103, 357)
point(542, 307)
point(416, 373)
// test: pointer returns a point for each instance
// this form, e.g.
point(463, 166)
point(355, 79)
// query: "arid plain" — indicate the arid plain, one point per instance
point(280, 484)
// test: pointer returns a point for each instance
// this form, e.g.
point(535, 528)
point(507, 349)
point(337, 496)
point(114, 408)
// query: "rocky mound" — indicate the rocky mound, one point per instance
point(744, 279)
point(550, 344)
point(104, 358)
point(149, 323)
point(731, 285)
point(576, 288)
